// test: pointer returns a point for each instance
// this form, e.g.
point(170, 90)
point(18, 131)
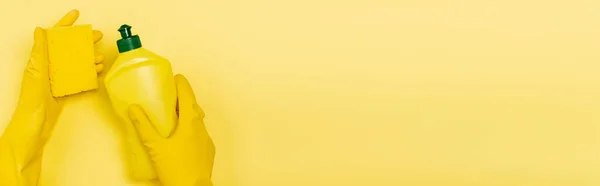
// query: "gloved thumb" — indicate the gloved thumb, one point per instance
point(38, 59)
point(142, 124)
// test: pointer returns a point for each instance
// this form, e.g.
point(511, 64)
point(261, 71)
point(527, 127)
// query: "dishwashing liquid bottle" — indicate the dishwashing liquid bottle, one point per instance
point(141, 77)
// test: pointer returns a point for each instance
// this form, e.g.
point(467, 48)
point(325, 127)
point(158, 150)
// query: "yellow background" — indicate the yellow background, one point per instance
point(356, 92)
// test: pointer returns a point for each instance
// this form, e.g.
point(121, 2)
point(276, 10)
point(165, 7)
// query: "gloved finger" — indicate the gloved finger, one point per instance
point(185, 95)
point(99, 68)
point(97, 35)
point(142, 124)
point(98, 57)
point(37, 52)
point(68, 19)
point(39, 40)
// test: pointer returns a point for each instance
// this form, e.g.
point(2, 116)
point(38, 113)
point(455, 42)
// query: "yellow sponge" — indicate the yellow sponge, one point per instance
point(71, 54)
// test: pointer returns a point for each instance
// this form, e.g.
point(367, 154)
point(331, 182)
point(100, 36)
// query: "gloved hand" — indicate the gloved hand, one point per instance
point(186, 157)
point(23, 141)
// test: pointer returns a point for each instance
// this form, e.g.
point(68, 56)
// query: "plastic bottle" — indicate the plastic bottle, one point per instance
point(141, 77)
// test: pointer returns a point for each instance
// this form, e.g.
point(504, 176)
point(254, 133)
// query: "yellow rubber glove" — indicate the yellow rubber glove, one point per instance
point(186, 157)
point(23, 141)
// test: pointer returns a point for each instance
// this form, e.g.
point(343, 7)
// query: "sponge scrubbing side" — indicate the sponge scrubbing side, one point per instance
point(71, 54)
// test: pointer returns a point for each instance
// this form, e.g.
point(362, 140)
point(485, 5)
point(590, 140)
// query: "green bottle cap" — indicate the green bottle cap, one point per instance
point(128, 41)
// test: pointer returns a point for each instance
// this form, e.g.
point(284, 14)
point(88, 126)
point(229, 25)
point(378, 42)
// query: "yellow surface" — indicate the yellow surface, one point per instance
point(366, 92)
point(141, 77)
point(71, 54)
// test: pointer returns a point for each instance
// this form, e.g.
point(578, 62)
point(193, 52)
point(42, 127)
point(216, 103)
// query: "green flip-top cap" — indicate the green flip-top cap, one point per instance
point(128, 41)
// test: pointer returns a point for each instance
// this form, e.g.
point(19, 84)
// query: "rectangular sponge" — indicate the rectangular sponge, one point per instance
point(72, 67)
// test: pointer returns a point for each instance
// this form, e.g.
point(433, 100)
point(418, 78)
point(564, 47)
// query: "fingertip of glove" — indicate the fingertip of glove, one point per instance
point(179, 76)
point(37, 30)
point(73, 12)
point(38, 33)
point(99, 68)
point(182, 82)
point(97, 35)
